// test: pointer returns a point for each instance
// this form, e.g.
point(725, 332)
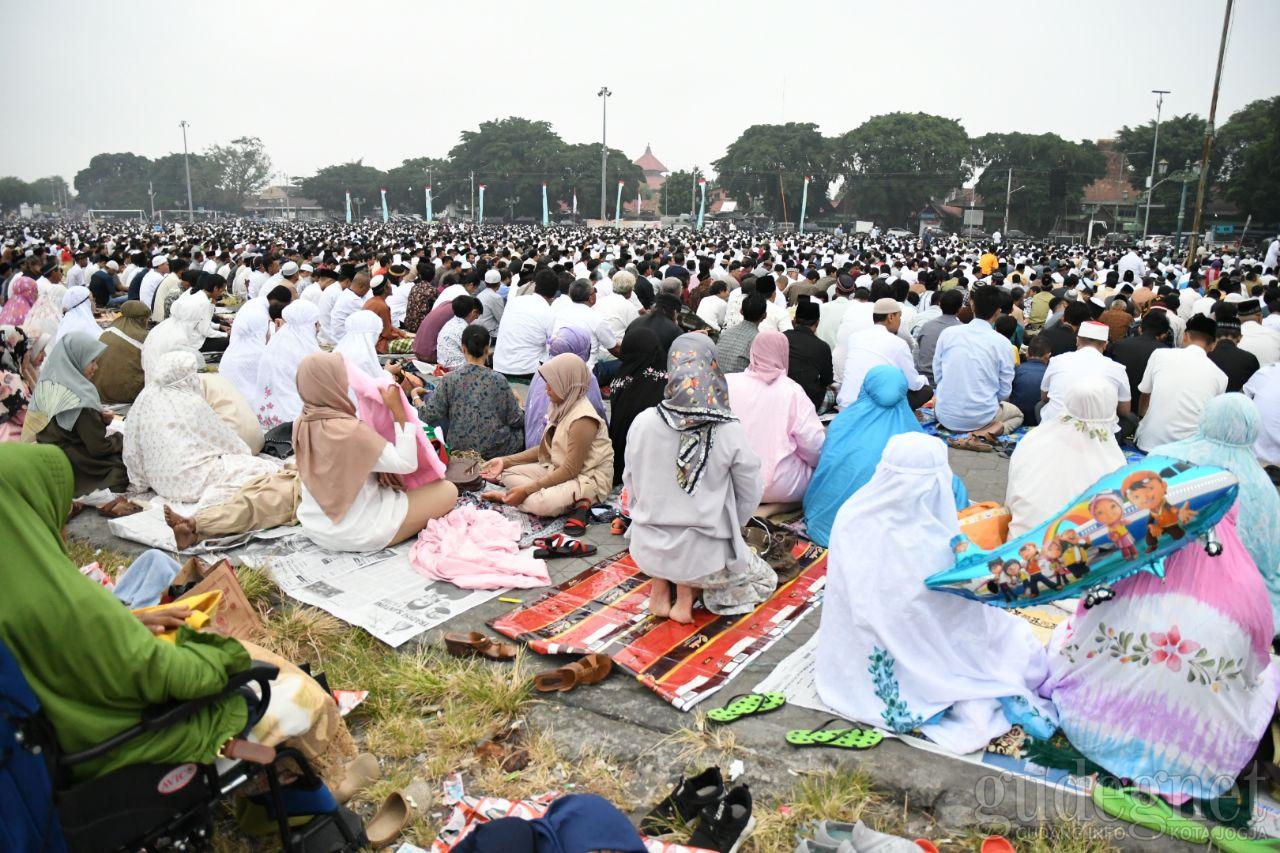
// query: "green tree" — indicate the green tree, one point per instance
point(1052, 173)
point(169, 180)
point(13, 192)
point(1181, 142)
point(330, 185)
point(405, 184)
point(115, 181)
point(51, 192)
point(767, 164)
point(894, 164)
point(580, 169)
point(244, 167)
point(679, 192)
point(511, 157)
point(1248, 149)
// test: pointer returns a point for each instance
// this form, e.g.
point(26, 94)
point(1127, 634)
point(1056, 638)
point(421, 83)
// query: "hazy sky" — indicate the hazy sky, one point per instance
point(323, 82)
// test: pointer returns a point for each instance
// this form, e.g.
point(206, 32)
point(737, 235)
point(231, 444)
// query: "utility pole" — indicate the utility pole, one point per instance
point(1193, 242)
point(1155, 145)
point(1008, 192)
point(473, 195)
point(186, 164)
point(603, 95)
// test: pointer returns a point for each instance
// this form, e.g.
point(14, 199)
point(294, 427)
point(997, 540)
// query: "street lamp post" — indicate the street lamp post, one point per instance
point(1188, 174)
point(1155, 143)
point(603, 95)
point(186, 164)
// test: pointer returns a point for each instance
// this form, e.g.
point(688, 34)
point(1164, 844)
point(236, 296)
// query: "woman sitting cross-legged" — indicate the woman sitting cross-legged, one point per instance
point(693, 481)
point(66, 411)
point(572, 465)
point(352, 496)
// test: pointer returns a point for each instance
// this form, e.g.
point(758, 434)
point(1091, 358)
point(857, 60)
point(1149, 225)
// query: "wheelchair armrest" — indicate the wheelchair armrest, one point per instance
point(159, 717)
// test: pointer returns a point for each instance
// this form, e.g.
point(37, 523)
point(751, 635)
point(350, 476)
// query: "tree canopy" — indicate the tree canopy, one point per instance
point(1248, 149)
point(1050, 171)
point(894, 164)
point(766, 166)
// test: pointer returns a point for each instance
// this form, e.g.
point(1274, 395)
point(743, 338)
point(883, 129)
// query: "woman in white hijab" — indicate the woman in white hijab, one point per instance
point(277, 394)
point(1061, 458)
point(46, 314)
point(358, 344)
point(77, 314)
point(245, 353)
point(185, 330)
point(176, 445)
point(894, 654)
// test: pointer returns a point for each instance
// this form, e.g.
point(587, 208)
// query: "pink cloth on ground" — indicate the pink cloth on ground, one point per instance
point(374, 413)
point(476, 549)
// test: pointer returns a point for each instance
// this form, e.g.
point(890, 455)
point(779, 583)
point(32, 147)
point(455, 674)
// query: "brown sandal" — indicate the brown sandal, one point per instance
point(473, 643)
point(119, 508)
point(590, 669)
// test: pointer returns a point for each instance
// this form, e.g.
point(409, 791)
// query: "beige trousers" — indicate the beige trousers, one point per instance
point(550, 502)
point(267, 501)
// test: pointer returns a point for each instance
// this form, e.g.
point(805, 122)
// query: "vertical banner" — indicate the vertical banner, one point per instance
point(430, 212)
point(385, 214)
point(544, 204)
point(348, 207)
point(481, 205)
point(702, 206)
point(575, 201)
point(617, 206)
point(639, 203)
point(804, 202)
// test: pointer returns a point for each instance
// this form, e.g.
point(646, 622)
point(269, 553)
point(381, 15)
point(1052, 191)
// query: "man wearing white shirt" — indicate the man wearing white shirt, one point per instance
point(348, 302)
point(879, 345)
point(1087, 362)
point(712, 308)
point(526, 325)
point(776, 318)
point(1176, 385)
point(578, 313)
point(833, 311)
point(1264, 389)
point(328, 299)
point(1255, 337)
point(78, 275)
point(619, 307)
point(151, 281)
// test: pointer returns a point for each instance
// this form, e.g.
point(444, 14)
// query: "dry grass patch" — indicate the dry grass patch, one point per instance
point(1059, 837)
point(840, 796)
point(82, 553)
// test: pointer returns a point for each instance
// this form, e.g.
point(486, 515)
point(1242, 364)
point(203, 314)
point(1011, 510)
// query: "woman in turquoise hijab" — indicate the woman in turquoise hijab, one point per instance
point(855, 441)
point(1229, 426)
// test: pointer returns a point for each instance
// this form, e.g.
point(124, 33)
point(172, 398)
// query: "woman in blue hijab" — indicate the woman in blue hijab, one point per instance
point(1229, 426)
point(855, 441)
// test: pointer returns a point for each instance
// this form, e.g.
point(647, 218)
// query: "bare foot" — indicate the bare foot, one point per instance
point(660, 598)
point(184, 529)
point(682, 612)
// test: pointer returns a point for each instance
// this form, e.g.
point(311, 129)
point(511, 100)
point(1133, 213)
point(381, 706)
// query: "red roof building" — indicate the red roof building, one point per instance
point(655, 174)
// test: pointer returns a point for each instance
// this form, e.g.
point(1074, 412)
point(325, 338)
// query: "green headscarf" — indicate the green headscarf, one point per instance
point(93, 665)
point(63, 390)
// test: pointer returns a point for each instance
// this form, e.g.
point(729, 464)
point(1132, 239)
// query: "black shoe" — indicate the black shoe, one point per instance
point(725, 825)
point(686, 800)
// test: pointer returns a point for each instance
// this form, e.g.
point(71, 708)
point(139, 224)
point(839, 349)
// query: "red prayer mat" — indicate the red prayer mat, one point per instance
point(605, 609)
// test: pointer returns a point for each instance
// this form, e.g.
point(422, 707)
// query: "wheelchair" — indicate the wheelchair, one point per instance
point(151, 807)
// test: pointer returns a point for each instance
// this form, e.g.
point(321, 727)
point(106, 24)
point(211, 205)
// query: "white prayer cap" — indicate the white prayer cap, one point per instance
point(113, 266)
point(159, 260)
point(492, 277)
point(289, 268)
point(466, 265)
point(307, 268)
point(1233, 297)
point(376, 280)
point(1091, 330)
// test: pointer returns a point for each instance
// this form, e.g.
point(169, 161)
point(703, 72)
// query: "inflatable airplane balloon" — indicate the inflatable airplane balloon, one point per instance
point(1127, 522)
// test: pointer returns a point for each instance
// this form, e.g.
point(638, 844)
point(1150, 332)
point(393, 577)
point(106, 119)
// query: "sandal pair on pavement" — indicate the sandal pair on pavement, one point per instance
point(475, 644)
point(590, 669)
point(559, 545)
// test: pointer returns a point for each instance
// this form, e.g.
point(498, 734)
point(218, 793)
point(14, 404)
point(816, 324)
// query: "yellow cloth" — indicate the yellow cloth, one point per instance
point(203, 606)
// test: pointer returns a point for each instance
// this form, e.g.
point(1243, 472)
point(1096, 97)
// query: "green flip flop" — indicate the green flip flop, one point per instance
point(846, 738)
point(1234, 841)
point(747, 705)
point(1144, 809)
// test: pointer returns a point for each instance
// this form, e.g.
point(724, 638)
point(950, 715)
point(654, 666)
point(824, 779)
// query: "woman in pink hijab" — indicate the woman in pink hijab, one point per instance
point(23, 296)
point(781, 424)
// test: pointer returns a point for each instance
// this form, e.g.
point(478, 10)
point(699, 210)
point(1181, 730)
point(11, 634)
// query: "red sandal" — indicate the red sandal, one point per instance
point(576, 523)
point(559, 545)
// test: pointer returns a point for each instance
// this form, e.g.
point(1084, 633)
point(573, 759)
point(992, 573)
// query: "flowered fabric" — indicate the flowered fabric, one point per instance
point(478, 410)
point(15, 388)
point(22, 296)
point(278, 400)
point(1171, 683)
point(697, 400)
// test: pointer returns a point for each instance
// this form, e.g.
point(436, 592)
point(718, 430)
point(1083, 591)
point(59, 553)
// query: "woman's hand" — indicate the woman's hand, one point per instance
point(391, 398)
point(391, 481)
point(162, 621)
point(107, 416)
point(492, 469)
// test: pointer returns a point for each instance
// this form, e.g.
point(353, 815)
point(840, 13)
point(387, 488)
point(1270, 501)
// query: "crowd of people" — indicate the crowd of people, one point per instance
point(715, 376)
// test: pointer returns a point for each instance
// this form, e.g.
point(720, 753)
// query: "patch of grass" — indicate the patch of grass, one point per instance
point(840, 796)
point(1058, 837)
point(703, 743)
point(83, 553)
point(258, 586)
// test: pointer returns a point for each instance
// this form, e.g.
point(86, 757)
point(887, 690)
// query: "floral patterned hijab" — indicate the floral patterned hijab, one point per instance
point(697, 400)
point(15, 384)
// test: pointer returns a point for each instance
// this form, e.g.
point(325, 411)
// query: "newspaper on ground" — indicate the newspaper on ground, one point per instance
point(378, 591)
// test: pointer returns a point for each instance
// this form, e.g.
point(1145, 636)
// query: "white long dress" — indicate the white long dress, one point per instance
point(895, 654)
point(376, 513)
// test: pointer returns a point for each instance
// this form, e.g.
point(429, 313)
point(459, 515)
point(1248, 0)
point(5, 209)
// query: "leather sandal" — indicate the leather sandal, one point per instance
point(576, 523)
point(476, 644)
point(390, 820)
point(361, 772)
point(590, 669)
